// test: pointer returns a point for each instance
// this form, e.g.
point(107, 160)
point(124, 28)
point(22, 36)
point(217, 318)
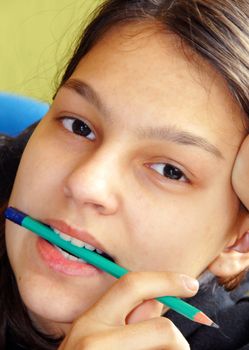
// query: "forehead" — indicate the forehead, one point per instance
point(150, 72)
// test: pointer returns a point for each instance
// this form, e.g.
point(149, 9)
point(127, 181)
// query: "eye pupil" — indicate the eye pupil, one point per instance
point(81, 128)
point(172, 172)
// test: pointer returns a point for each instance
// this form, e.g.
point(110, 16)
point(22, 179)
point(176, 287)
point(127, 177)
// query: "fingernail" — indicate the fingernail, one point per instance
point(190, 283)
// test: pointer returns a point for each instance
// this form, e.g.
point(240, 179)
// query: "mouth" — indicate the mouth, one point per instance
point(78, 243)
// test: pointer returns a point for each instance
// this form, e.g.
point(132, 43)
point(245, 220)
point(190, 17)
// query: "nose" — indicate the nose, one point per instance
point(91, 183)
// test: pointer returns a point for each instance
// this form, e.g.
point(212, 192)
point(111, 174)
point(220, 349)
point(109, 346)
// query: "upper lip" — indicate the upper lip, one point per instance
point(82, 235)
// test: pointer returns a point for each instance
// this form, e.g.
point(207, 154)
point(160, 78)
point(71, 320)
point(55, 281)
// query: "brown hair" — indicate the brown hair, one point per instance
point(216, 29)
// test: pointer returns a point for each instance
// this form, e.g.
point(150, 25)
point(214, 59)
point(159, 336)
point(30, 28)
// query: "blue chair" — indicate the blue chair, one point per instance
point(18, 112)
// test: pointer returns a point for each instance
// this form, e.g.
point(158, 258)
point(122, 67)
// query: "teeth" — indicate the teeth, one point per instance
point(69, 256)
point(89, 246)
point(65, 254)
point(75, 241)
point(64, 236)
point(72, 258)
point(56, 231)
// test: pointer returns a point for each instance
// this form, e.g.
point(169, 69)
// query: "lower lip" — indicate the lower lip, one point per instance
point(56, 261)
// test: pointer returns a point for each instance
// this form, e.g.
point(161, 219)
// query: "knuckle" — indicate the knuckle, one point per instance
point(129, 281)
point(172, 278)
point(169, 335)
point(86, 343)
point(162, 325)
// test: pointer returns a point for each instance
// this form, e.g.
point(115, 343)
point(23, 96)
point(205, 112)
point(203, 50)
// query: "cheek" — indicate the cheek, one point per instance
point(160, 231)
point(37, 175)
point(184, 233)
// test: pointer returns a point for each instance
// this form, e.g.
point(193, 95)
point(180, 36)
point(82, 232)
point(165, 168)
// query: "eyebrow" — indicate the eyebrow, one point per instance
point(170, 133)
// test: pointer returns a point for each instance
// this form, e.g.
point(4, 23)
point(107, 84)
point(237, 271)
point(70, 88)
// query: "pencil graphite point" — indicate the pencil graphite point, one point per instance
point(214, 325)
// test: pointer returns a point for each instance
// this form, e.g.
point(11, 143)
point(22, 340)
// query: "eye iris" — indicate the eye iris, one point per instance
point(81, 128)
point(172, 172)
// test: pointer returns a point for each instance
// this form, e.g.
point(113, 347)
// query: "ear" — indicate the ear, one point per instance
point(235, 256)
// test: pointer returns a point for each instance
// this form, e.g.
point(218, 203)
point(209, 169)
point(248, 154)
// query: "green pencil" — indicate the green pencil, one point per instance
point(101, 262)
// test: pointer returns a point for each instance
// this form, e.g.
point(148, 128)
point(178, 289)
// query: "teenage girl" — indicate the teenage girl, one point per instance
point(141, 155)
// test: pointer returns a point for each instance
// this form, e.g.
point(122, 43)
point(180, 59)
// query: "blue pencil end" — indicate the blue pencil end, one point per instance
point(14, 215)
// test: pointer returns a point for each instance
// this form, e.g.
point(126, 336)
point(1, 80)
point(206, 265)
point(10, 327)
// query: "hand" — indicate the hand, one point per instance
point(122, 319)
point(240, 175)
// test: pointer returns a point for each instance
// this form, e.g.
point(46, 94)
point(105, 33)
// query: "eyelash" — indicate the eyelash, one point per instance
point(167, 166)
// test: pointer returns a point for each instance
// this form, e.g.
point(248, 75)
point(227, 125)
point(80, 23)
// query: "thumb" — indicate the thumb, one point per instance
point(145, 311)
point(240, 174)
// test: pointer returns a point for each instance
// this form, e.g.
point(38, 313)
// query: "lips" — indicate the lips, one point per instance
point(79, 234)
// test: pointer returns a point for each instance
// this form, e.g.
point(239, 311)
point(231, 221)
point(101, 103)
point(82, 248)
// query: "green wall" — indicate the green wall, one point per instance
point(35, 37)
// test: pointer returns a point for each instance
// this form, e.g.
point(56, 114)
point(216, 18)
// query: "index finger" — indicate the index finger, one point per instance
point(134, 288)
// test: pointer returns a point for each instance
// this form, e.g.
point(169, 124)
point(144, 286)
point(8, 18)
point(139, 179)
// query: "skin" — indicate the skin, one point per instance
point(113, 186)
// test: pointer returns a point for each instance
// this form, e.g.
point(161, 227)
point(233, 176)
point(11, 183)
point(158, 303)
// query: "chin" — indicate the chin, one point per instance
point(49, 304)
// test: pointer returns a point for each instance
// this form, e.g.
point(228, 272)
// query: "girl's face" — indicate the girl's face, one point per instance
point(137, 150)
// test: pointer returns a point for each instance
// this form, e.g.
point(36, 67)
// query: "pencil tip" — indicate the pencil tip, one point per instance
point(203, 319)
point(214, 325)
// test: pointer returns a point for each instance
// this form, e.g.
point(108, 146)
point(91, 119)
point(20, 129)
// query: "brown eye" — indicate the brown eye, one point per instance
point(172, 172)
point(169, 171)
point(78, 127)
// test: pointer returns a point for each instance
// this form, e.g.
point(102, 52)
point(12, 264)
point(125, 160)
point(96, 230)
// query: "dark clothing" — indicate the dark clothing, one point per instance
point(229, 310)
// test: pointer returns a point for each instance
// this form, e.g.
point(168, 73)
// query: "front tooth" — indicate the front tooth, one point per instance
point(72, 258)
point(56, 231)
point(89, 246)
point(62, 235)
point(65, 254)
point(65, 237)
point(99, 251)
point(77, 242)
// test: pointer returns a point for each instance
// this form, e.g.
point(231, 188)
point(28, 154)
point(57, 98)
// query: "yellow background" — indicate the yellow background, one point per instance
point(35, 37)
